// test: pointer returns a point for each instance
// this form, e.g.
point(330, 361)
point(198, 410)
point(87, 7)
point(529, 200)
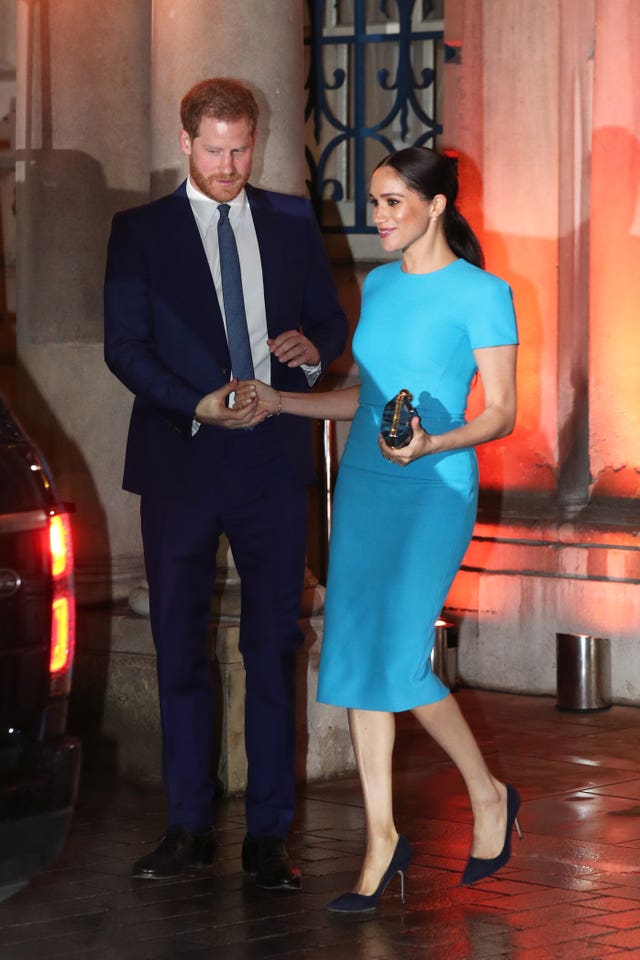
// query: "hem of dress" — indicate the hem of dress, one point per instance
point(394, 709)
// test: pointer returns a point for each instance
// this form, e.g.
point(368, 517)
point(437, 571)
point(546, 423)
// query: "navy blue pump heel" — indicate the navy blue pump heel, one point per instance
point(358, 902)
point(478, 869)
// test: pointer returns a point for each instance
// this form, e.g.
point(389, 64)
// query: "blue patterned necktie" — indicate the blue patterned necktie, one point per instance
point(237, 331)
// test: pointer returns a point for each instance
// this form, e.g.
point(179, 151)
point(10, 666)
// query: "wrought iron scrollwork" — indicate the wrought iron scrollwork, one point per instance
point(356, 65)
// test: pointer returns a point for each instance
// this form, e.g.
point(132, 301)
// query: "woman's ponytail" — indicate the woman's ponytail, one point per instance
point(461, 237)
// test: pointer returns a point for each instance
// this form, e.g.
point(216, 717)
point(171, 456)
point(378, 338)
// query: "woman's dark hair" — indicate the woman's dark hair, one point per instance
point(429, 173)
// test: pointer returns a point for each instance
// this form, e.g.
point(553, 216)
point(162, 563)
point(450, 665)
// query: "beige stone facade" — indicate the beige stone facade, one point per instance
point(544, 109)
point(542, 105)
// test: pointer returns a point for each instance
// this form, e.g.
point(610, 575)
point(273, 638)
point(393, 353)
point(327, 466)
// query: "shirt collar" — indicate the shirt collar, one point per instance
point(206, 210)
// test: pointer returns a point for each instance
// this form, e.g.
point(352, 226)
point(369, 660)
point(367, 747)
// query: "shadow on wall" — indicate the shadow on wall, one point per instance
point(75, 483)
point(69, 402)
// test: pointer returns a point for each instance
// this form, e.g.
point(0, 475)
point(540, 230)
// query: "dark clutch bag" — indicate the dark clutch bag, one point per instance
point(396, 420)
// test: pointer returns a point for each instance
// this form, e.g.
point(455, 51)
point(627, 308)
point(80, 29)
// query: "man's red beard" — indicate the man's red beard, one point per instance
point(214, 190)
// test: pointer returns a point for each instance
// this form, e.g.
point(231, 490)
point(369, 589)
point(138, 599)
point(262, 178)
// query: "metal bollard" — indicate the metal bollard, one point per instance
point(444, 656)
point(583, 672)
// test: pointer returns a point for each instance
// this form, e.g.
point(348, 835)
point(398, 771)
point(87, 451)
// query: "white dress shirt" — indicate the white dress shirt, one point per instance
point(205, 210)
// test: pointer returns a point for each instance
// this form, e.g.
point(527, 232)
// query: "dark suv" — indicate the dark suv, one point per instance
point(39, 764)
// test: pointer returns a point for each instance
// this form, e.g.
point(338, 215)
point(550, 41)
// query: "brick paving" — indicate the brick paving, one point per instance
point(570, 892)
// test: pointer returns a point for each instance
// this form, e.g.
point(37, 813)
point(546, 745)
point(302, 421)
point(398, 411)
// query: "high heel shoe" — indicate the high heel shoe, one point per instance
point(359, 902)
point(476, 868)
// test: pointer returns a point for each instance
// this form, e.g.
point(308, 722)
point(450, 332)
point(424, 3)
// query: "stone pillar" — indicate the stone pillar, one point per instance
point(576, 83)
point(543, 107)
point(258, 44)
point(82, 153)
point(261, 49)
point(98, 120)
point(614, 371)
point(192, 41)
point(501, 118)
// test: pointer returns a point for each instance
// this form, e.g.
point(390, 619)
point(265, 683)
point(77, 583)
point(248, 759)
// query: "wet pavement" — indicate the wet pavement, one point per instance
point(570, 892)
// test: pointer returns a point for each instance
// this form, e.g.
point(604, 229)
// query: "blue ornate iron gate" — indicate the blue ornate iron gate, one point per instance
point(374, 84)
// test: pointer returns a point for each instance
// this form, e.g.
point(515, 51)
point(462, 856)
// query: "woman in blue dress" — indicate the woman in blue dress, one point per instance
point(403, 517)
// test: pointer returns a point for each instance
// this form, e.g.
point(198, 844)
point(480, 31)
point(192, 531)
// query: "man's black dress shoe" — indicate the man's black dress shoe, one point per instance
point(179, 852)
point(266, 859)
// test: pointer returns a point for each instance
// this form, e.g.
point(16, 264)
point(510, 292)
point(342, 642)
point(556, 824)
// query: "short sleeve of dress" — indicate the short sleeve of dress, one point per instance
point(492, 319)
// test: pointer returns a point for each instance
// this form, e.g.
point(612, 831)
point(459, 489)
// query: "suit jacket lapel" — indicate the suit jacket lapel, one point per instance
point(270, 244)
point(193, 273)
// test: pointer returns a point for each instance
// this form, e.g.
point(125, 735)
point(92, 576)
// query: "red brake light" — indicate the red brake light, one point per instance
point(63, 621)
point(60, 635)
point(60, 543)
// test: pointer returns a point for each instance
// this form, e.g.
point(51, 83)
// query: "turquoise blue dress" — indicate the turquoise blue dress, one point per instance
point(399, 533)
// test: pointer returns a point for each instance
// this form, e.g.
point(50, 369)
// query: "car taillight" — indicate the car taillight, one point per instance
point(63, 614)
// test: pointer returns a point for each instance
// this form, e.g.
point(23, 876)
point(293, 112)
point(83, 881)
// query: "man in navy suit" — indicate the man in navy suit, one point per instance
point(203, 468)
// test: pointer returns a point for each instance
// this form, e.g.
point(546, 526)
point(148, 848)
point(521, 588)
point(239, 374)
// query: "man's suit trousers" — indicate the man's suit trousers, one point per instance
point(261, 505)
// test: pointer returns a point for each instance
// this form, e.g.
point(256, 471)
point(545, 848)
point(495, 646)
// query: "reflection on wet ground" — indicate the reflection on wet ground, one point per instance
point(570, 892)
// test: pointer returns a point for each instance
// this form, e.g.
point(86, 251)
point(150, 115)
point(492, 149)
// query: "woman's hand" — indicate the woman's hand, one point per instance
point(267, 400)
point(421, 444)
point(213, 410)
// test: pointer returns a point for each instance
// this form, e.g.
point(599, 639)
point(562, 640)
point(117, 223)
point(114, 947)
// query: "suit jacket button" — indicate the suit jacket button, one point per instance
point(226, 371)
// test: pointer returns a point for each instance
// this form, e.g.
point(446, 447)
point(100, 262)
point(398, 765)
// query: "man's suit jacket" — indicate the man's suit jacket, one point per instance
point(165, 338)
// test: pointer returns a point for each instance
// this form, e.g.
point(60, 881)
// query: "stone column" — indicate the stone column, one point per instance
point(82, 152)
point(99, 88)
point(501, 117)
point(614, 371)
point(577, 19)
point(259, 44)
point(546, 116)
point(263, 49)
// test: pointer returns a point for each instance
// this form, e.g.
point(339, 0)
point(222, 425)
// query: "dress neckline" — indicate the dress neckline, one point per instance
point(429, 273)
